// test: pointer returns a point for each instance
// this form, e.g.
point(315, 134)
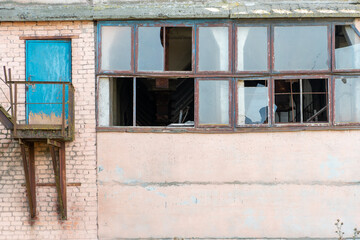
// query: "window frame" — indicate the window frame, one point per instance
point(232, 75)
point(291, 72)
point(333, 62)
point(309, 124)
point(230, 48)
point(164, 24)
point(99, 41)
point(264, 125)
point(269, 61)
point(197, 102)
point(334, 102)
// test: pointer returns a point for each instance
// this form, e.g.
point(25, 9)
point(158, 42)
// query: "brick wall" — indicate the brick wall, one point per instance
point(80, 155)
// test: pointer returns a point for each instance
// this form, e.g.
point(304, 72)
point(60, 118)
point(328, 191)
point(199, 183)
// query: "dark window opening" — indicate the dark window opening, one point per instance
point(121, 102)
point(301, 100)
point(178, 50)
point(163, 102)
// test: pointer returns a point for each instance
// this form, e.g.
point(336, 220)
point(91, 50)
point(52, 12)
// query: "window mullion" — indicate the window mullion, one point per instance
point(301, 102)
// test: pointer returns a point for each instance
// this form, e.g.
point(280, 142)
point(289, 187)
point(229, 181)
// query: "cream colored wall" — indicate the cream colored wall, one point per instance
point(284, 184)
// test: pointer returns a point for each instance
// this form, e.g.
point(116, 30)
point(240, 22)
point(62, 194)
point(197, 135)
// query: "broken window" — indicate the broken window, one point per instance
point(116, 48)
point(347, 47)
point(252, 102)
point(301, 48)
point(158, 101)
point(214, 102)
point(301, 100)
point(213, 49)
point(347, 99)
point(165, 49)
point(252, 49)
point(115, 101)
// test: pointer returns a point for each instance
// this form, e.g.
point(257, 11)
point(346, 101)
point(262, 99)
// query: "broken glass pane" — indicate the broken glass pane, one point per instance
point(151, 49)
point(214, 102)
point(252, 100)
point(347, 99)
point(213, 48)
point(300, 48)
point(115, 48)
point(252, 49)
point(347, 48)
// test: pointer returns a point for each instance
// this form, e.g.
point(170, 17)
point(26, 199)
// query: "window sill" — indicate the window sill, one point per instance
point(224, 130)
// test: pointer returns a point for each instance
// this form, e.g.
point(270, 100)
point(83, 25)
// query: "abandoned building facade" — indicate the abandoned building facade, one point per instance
point(189, 119)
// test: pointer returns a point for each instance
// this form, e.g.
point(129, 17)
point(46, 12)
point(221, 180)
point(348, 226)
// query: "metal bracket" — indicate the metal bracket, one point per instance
point(59, 166)
point(29, 169)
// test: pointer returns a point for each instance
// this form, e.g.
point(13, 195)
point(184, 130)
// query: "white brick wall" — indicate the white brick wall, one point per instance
point(80, 154)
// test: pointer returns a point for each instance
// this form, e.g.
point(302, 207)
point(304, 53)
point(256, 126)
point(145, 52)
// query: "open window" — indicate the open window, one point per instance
point(301, 101)
point(146, 102)
point(164, 49)
point(347, 47)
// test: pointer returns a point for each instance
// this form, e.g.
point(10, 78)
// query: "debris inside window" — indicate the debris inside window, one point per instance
point(163, 102)
point(159, 102)
point(347, 47)
point(301, 100)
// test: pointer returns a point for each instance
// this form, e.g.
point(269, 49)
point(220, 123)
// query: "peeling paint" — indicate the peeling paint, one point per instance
point(42, 118)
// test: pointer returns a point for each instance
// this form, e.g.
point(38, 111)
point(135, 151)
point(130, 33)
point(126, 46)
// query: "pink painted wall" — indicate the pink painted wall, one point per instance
point(285, 184)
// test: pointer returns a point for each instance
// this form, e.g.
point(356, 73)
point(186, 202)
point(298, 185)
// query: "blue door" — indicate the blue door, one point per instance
point(47, 60)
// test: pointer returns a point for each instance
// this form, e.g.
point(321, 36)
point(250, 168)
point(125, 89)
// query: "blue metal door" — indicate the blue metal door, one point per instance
point(47, 61)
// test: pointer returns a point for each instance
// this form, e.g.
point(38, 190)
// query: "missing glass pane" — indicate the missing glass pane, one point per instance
point(347, 48)
point(252, 100)
point(178, 50)
point(164, 102)
point(301, 100)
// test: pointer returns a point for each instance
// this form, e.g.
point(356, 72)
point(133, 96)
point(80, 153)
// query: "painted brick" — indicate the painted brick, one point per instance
point(82, 200)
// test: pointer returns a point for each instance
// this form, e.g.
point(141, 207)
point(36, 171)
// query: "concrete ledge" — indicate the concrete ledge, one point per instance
point(176, 9)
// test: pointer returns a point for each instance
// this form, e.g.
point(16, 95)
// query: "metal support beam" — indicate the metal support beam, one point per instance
point(53, 142)
point(29, 169)
point(59, 166)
